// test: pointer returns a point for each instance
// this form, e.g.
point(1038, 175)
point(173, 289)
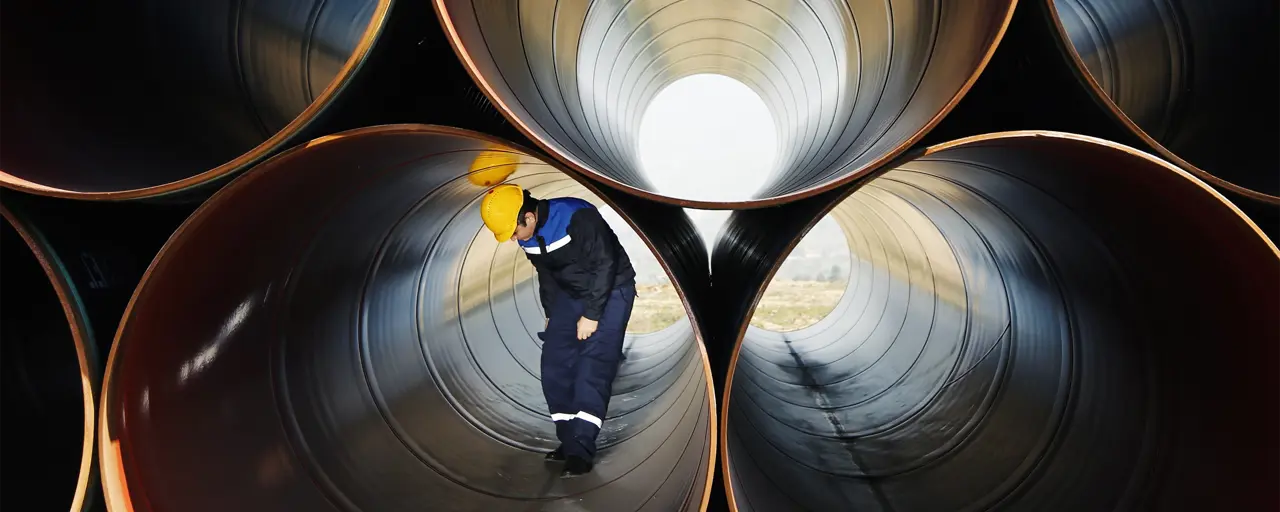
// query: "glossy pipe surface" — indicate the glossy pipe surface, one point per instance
point(1033, 321)
point(148, 98)
point(850, 84)
point(1196, 80)
point(336, 330)
point(50, 378)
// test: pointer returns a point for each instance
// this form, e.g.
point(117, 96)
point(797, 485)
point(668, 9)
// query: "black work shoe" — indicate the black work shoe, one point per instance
point(556, 455)
point(575, 466)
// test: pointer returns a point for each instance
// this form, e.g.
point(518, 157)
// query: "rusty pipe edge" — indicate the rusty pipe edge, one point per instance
point(1195, 80)
point(1032, 321)
point(336, 330)
point(51, 377)
point(850, 84)
point(176, 99)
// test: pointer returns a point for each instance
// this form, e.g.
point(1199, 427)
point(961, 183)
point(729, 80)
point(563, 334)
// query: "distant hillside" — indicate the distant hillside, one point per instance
point(820, 255)
point(785, 306)
point(648, 271)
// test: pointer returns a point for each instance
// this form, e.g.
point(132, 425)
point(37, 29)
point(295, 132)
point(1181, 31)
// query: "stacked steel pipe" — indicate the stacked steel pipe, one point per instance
point(1063, 291)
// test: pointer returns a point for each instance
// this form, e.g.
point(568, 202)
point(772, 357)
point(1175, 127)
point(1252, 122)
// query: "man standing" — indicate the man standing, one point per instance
point(587, 289)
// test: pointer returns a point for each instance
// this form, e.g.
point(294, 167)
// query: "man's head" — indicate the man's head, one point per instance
point(510, 212)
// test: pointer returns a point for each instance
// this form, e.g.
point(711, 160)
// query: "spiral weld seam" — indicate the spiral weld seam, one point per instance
point(935, 238)
point(793, 436)
point(1112, 84)
point(462, 23)
point(298, 301)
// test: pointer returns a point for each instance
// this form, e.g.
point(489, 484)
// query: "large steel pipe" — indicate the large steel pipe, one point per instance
point(1196, 80)
point(49, 380)
point(850, 84)
point(336, 330)
point(143, 98)
point(1033, 321)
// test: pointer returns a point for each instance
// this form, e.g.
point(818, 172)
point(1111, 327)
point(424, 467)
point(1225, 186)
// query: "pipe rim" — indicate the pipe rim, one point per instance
point(111, 460)
point(725, 465)
point(455, 41)
point(1113, 111)
point(81, 334)
point(258, 154)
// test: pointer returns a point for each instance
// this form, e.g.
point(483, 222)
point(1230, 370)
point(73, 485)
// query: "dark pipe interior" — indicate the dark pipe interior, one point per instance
point(103, 97)
point(1197, 77)
point(337, 330)
point(849, 83)
point(45, 434)
point(144, 98)
point(1032, 322)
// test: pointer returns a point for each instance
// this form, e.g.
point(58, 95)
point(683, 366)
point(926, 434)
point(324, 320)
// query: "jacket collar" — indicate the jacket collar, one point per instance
point(544, 208)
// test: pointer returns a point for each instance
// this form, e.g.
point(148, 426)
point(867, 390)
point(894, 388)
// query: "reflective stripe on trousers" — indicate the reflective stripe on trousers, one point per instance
point(577, 376)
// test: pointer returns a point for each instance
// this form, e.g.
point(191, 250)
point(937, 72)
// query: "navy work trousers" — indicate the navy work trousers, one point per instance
point(577, 376)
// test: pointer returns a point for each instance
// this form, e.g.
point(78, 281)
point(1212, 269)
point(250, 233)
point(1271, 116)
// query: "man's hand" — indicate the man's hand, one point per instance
point(586, 328)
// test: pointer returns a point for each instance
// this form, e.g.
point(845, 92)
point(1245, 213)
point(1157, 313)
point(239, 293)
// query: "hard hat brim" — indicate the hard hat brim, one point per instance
point(508, 232)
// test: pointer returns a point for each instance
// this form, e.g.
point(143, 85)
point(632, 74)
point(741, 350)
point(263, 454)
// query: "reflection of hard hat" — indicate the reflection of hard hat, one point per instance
point(491, 167)
point(500, 208)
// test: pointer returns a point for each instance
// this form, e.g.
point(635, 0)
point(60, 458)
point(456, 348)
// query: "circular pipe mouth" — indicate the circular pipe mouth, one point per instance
point(169, 96)
point(1025, 326)
point(336, 329)
point(1195, 80)
point(50, 377)
point(849, 85)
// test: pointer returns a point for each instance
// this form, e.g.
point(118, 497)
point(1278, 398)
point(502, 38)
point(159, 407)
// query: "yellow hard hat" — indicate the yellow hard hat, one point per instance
point(491, 167)
point(500, 208)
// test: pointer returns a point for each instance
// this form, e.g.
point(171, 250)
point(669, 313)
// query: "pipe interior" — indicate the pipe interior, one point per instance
point(811, 284)
point(1199, 77)
point(337, 330)
point(1029, 324)
point(113, 96)
point(848, 83)
point(44, 427)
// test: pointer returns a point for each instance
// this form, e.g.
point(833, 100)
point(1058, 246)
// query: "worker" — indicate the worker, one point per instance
point(587, 290)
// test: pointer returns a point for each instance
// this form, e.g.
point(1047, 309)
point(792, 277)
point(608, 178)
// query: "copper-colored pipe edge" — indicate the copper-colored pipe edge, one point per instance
point(1021, 134)
point(340, 81)
point(112, 465)
point(1078, 67)
point(577, 168)
point(81, 335)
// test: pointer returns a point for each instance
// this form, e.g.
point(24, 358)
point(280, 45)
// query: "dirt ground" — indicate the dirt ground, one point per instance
point(791, 305)
point(786, 306)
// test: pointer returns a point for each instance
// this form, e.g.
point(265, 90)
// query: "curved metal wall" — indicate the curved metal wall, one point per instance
point(50, 378)
point(850, 83)
point(150, 98)
point(336, 330)
point(1033, 320)
point(1195, 80)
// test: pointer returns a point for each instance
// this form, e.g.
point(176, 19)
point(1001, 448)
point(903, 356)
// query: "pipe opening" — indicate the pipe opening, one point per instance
point(849, 84)
point(812, 283)
point(1027, 326)
point(47, 383)
point(358, 340)
point(1195, 79)
point(657, 305)
point(120, 97)
point(707, 138)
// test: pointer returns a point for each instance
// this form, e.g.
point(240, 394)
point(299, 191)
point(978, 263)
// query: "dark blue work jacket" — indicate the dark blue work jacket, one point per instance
point(576, 252)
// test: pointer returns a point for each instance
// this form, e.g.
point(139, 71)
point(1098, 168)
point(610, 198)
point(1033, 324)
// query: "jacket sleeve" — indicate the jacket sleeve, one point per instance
point(596, 258)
